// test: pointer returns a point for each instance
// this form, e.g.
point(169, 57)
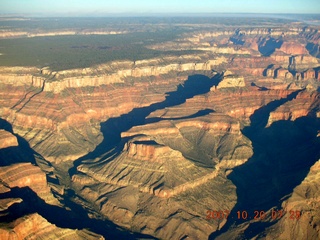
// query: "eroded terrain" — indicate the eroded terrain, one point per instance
point(217, 118)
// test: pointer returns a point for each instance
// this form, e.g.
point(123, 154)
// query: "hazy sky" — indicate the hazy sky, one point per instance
point(92, 7)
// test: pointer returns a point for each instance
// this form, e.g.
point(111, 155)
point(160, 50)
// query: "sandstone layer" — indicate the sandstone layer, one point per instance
point(7, 139)
point(302, 210)
point(34, 226)
point(152, 145)
point(174, 140)
point(31, 184)
point(26, 175)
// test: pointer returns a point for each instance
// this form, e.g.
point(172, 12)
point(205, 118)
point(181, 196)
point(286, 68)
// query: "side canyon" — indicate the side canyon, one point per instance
point(147, 148)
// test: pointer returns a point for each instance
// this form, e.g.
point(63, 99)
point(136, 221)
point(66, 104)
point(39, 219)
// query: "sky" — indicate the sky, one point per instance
point(105, 7)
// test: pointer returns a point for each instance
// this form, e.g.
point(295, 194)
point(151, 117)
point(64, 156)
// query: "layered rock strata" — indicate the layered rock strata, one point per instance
point(56, 111)
point(164, 173)
point(34, 226)
point(56, 125)
point(305, 104)
point(302, 210)
point(27, 175)
point(7, 139)
point(163, 163)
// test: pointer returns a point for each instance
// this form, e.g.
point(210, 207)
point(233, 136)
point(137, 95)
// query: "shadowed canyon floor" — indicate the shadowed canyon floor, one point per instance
point(283, 141)
point(68, 219)
point(112, 129)
point(152, 131)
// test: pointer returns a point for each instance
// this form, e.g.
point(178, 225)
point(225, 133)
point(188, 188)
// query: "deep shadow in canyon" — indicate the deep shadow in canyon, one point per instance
point(77, 218)
point(16, 154)
point(313, 49)
point(113, 127)
point(283, 155)
point(268, 46)
point(200, 113)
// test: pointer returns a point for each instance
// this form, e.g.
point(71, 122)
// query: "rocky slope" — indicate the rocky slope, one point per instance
point(49, 109)
point(302, 218)
point(155, 146)
point(34, 226)
point(16, 225)
point(164, 163)
point(26, 175)
point(7, 139)
point(213, 141)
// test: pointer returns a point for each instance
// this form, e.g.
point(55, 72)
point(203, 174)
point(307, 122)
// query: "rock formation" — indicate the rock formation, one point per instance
point(292, 110)
point(231, 81)
point(34, 226)
point(293, 48)
point(26, 175)
point(302, 210)
point(7, 139)
point(152, 147)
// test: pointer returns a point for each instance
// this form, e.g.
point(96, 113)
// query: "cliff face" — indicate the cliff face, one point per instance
point(57, 105)
point(243, 101)
point(7, 139)
point(232, 81)
point(166, 161)
point(34, 226)
point(26, 175)
point(22, 34)
point(65, 119)
point(172, 150)
point(302, 211)
point(151, 147)
point(23, 191)
point(134, 70)
point(293, 110)
point(192, 138)
point(293, 48)
point(151, 195)
point(154, 145)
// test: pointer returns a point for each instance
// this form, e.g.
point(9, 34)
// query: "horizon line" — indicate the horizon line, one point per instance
point(144, 14)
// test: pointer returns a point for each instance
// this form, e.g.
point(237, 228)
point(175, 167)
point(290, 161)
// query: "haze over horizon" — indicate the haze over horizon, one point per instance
point(151, 7)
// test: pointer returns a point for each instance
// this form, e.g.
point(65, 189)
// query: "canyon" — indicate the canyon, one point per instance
point(143, 149)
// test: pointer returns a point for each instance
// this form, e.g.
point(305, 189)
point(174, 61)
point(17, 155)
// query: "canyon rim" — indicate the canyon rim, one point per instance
point(160, 128)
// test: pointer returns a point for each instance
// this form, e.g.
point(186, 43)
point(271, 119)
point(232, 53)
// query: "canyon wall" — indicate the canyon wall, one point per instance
point(153, 145)
point(302, 210)
point(7, 139)
point(34, 226)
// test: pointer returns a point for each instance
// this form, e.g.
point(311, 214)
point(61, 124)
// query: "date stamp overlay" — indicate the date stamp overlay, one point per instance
point(248, 215)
